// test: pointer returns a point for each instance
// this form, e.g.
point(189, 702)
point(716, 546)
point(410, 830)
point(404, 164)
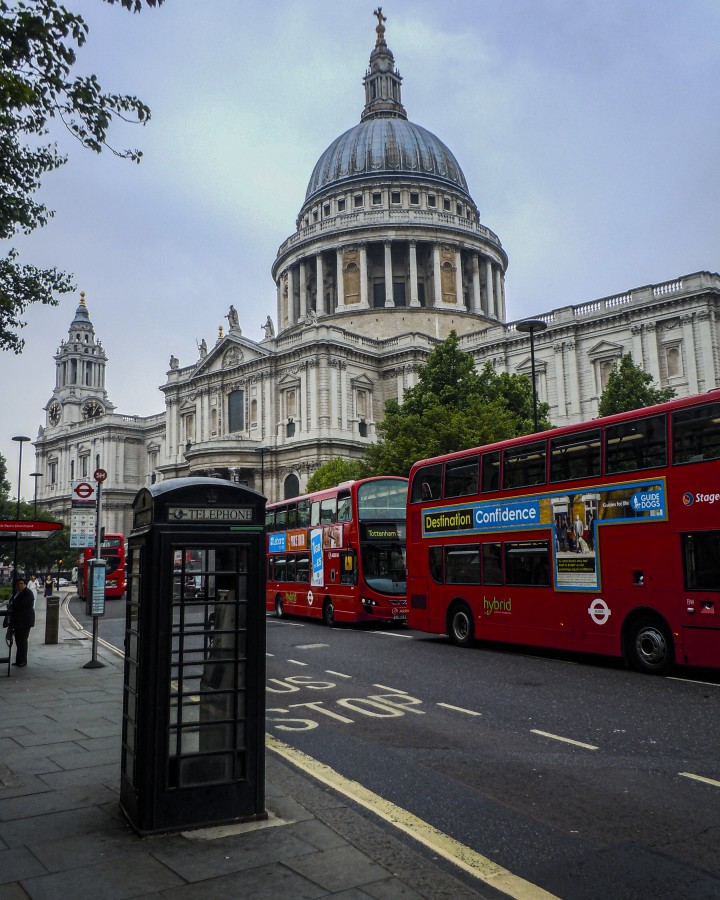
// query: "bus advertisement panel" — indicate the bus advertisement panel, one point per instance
point(599, 537)
point(339, 554)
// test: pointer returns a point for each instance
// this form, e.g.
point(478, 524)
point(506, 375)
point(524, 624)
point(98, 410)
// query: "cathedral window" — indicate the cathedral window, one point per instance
point(414, 198)
point(326, 210)
point(236, 411)
point(341, 204)
point(213, 421)
point(377, 198)
point(358, 200)
point(84, 466)
point(431, 200)
point(395, 197)
point(72, 470)
point(459, 209)
point(446, 204)
point(673, 361)
point(315, 215)
point(52, 471)
point(253, 413)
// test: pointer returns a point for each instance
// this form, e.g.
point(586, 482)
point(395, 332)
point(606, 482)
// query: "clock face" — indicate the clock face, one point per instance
point(54, 414)
point(92, 410)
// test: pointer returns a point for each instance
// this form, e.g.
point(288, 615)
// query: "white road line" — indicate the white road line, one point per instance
point(469, 712)
point(692, 681)
point(294, 624)
point(384, 687)
point(297, 662)
point(700, 778)
point(339, 674)
point(391, 634)
point(557, 737)
point(269, 654)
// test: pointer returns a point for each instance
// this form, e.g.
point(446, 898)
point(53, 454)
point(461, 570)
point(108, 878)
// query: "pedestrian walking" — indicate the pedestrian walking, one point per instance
point(20, 619)
point(48, 586)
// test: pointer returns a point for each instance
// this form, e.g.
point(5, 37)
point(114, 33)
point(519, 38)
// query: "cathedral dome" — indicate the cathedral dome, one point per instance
point(382, 146)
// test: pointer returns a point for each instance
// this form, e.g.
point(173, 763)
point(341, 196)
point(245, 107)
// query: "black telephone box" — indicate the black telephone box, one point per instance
point(193, 739)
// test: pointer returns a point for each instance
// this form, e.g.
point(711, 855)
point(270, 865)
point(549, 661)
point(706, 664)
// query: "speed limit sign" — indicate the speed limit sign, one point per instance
point(100, 475)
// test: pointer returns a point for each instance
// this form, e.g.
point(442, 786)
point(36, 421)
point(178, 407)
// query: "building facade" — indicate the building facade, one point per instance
point(388, 256)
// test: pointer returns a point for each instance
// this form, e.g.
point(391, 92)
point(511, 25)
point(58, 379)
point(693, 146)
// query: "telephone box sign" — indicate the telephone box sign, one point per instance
point(218, 514)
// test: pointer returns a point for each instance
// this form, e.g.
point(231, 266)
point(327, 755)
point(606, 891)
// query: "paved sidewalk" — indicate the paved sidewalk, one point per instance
point(62, 833)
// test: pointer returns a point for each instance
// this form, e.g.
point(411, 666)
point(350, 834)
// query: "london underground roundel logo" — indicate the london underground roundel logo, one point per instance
point(599, 611)
point(688, 499)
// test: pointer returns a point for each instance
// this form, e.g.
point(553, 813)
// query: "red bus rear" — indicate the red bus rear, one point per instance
point(112, 550)
point(602, 537)
point(339, 554)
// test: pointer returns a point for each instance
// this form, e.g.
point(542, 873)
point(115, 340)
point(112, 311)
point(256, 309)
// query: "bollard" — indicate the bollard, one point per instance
point(52, 619)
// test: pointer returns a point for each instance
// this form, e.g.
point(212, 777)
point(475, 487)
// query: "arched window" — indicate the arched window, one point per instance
point(253, 412)
point(236, 411)
point(291, 488)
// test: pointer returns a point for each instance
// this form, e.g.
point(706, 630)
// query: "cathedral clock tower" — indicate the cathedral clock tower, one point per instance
point(79, 394)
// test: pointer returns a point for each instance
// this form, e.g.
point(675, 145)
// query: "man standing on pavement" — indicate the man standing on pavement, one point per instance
point(21, 616)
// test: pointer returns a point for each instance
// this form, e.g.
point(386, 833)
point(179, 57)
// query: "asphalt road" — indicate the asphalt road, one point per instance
point(565, 771)
point(575, 774)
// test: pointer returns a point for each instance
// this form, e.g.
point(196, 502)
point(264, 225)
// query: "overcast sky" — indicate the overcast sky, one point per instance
point(588, 133)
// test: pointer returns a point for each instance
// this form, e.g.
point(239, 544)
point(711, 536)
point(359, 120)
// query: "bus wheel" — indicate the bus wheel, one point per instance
point(279, 611)
point(649, 646)
point(328, 612)
point(460, 625)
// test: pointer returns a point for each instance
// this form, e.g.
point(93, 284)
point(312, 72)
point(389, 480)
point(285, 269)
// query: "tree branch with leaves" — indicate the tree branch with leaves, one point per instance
point(39, 41)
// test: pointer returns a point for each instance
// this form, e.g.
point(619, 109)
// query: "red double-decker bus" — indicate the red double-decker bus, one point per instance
point(602, 537)
point(112, 550)
point(339, 554)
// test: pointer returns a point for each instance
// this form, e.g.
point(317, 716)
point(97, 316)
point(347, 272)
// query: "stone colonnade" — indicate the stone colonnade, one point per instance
point(390, 273)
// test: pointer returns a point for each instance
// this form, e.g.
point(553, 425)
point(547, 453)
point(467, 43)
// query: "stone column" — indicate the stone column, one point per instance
point(637, 349)
point(314, 423)
point(573, 380)
point(291, 296)
point(651, 349)
point(279, 299)
point(340, 281)
point(489, 288)
point(437, 280)
point(320, 307)
point(499, 298)
point(706, 328)
point(560, 381)
point(364, 304)
point(389, 299)
point(303, 291)
point(459, 298)
point(476, 296)
point(689, 354)
point(412, 251)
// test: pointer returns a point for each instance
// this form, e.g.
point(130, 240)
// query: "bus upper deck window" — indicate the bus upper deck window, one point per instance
point(696, 434)
point(344, 512)
point(461, 477)
point(328, 511)
point(490, 471)
point(303, 513)
point(636, 444)
point(427, 484)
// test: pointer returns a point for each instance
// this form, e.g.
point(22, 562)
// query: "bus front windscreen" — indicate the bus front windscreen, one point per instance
point(382, 500)
point(383, 566)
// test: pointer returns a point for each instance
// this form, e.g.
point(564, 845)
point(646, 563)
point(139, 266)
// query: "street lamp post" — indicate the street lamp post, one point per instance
point(530, 326)
point(20, 438)
point(36, 475)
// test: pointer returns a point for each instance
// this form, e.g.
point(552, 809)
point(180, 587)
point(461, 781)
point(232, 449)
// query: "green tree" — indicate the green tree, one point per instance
point(35, 556)
point(38, 43)
point(4, 483)
point(452, 407)
point(630, 387)
point(333, 472)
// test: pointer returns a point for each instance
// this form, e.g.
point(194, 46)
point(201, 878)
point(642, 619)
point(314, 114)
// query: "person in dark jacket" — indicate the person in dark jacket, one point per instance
point(21, 616)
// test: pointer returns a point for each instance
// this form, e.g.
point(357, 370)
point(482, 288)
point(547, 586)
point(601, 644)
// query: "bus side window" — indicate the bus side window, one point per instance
point(696, 434)
point(524, 466)
point(461, 477)
point(328, 511)
point(575, 456)
point(303, 513)
point(344, 513)
point(302, 571)
point(462, 564)
point(426, 484)
point(490, 471)
point(280, 568)
point(292, 516)
point(435, 556)
point(491, 564)
point(636, 444)
point(315, 513)
point(527, 563)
